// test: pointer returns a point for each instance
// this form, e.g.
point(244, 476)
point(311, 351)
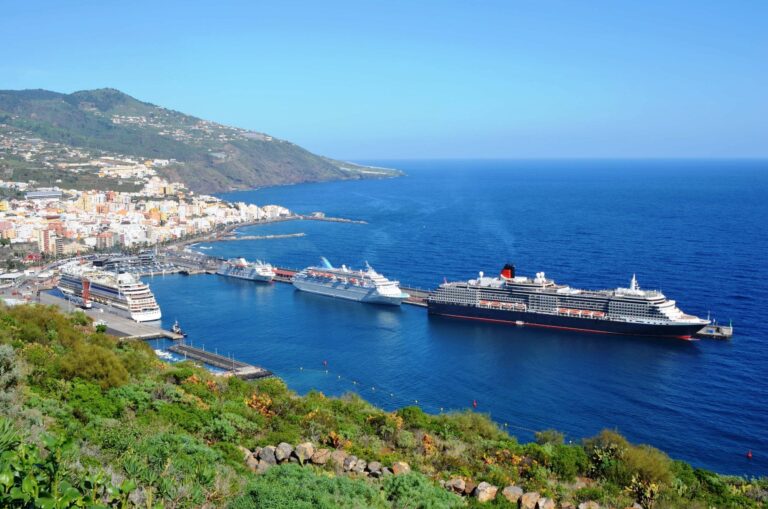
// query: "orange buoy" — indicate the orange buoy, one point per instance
point(749, 454)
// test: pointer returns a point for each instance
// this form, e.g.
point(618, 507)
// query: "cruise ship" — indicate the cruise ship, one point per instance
point(540, 302)
point(358, 285)
point(122, 294)
point(242, 269)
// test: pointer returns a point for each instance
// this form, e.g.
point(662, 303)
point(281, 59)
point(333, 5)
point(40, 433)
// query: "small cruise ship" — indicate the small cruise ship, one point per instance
point(345, 283)
point(242, 269)
point(121, 294)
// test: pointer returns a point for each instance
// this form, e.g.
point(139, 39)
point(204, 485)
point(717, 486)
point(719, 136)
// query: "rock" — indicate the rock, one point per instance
point(386, 472)
point(360, 466)
point(589, 505)
point(349, 463)
point(263, 466)
point(374, 467)
point(636, 505)
point(251, 462)
point(338, 457)
point(293, 459)
point(485, 492)
point(267, 454)
point(304, 451)
point(528, 500)
point(321, 456)
point(283, 451)
point(245, 452)
point(545, 503)
point(457, 484)
point(469, 487)
point(512, 493)
point(400, 467)
point(567, 505)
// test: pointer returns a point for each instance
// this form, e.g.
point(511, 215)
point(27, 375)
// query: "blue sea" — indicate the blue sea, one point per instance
point(694, 229)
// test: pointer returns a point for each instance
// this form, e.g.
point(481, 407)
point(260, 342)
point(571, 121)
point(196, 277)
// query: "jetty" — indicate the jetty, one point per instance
point(232, 366)
point(117, 325)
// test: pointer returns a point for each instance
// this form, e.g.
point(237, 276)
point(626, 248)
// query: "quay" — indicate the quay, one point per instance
point(119, 326)
point(232, 367)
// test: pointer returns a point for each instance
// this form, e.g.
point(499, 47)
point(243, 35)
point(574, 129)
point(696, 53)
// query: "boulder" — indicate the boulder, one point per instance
point(386, 472)
point(360, 466)
point(267, 454)
point(545, 503)
point(251, 462)
point(244, 451)
point(512, 493)
point(321, 456)
point(293, 459)
point(456, 484)
point(374, 467)
point(283, 451)
point(528, 500)
point(263, 466)
point(469, 487)
point(567, 505)
point(349, 463)
point(304, 451)
point(589, 504)
point(485, 492)
point(400, 467)
point(338, 457)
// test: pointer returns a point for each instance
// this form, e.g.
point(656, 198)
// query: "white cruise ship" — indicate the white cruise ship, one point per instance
point(122, 294)
point(358, 285)
point(242, 269)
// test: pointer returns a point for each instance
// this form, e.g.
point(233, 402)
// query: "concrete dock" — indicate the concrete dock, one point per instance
point(233, 367)
point(119, 326)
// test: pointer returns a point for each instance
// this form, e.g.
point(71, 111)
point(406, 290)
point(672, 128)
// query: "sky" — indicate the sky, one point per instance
point(422, 79)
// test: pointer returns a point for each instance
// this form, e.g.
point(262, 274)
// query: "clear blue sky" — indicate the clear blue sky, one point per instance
point(403, 79)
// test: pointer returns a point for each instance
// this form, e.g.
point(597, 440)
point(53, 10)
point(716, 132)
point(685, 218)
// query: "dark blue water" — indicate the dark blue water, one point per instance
point(695, 230)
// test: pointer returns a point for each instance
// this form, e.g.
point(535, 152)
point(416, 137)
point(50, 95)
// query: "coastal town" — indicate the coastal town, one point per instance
point(129, 206)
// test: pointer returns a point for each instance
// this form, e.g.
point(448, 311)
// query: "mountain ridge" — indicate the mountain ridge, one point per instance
point(208, 156)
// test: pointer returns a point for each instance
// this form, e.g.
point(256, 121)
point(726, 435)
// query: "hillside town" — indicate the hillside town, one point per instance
point(50, 222)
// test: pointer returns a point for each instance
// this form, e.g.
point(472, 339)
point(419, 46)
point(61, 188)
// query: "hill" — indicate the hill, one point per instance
point(90, 421)
point(206, 156)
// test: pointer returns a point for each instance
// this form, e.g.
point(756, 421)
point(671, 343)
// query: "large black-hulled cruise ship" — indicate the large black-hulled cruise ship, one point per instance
point(539, 302)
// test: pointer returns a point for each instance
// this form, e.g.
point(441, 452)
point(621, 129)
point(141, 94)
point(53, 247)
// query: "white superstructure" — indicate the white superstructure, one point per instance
point(242, 269)
point(358, 285)
point(122, 294)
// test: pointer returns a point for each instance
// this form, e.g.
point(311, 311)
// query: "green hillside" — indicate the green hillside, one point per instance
point(89, 421)
point(211, 157)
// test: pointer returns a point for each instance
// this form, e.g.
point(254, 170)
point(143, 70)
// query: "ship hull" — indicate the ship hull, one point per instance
point(348, 292)
point(588, 325)
point(113, 307)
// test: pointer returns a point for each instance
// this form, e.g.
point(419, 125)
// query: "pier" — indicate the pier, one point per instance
point(232, 367)
point(119, 326)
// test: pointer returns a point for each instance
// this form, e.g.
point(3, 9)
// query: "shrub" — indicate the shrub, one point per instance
point(549, 436)
point(414, 491)
point(94, 363)
point(568, 461)
point(294, 487)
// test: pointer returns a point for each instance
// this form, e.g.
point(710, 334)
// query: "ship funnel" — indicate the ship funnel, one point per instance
point(508, 272)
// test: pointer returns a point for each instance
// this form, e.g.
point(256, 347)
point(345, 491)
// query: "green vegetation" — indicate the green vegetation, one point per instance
point(214, 157)
point(89, 421)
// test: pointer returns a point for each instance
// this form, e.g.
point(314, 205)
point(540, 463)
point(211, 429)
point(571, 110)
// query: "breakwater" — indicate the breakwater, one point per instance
point(233, 367)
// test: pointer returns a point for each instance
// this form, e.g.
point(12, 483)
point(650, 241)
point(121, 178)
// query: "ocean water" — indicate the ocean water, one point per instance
point(694, 229)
